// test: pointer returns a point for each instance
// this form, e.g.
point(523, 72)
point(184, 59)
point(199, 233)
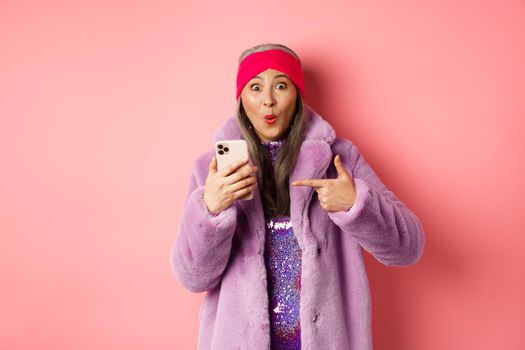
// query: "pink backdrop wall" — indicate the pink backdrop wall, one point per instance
point(104, 105)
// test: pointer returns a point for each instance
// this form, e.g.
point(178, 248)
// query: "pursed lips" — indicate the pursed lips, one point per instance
point(270, 119)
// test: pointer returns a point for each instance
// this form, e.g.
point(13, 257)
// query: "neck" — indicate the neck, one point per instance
point(273, 147)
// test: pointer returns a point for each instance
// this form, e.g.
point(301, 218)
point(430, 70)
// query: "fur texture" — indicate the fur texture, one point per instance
point(223, 255)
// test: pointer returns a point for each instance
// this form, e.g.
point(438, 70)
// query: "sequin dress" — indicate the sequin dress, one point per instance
point(282, 257)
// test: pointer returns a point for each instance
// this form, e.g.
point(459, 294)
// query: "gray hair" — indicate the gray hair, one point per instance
point(267, 46)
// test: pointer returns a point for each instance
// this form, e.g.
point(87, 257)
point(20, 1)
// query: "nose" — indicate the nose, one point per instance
point(268, 98)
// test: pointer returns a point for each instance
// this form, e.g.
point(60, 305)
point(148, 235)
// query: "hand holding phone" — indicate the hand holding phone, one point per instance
point(230, 176)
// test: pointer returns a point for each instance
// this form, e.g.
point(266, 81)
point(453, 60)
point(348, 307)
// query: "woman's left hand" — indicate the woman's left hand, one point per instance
point(334, 194)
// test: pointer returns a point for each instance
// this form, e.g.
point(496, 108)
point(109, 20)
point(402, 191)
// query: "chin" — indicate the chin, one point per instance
point(273, 136)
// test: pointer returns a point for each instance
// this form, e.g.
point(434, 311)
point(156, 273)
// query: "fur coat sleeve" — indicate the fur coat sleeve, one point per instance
point(378, 220)
point(203, 244)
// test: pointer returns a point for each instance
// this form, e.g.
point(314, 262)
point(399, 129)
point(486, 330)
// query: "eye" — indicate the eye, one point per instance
point(281, 84)
point(254, 87)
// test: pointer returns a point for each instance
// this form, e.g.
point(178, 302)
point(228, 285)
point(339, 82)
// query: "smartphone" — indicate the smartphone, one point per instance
point(229, 151)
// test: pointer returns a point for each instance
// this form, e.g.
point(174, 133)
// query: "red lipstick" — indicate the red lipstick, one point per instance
point(270, 118)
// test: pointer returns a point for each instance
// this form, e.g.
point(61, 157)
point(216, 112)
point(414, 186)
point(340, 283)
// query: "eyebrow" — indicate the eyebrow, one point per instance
point(277, 76)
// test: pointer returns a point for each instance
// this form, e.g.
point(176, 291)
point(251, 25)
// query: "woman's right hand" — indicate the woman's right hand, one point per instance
point(224, 186)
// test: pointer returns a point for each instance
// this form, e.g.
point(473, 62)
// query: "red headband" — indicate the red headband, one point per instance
point(277, 59)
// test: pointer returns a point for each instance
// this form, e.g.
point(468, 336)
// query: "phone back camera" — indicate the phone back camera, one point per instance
point(222, 149)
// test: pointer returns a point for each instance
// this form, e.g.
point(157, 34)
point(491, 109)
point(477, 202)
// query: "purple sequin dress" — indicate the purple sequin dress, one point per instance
point(283, 266)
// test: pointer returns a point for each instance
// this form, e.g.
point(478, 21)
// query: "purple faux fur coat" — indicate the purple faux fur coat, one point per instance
point(223, 255)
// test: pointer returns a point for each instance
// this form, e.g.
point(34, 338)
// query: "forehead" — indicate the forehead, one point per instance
point(270, 73)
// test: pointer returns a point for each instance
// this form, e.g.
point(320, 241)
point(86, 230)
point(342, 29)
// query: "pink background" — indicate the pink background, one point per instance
point(104, 105)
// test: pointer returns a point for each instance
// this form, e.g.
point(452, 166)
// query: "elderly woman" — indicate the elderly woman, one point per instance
point(285, 270)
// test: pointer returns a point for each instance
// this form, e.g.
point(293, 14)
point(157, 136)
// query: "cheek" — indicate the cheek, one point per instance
point(290, 102)
point(249, 102)
point(290, 98)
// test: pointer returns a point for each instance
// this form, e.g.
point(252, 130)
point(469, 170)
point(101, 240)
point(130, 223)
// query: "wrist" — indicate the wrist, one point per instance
point(211, 211)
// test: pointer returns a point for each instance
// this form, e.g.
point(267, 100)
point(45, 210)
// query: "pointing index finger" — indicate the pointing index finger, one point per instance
point(309, 182)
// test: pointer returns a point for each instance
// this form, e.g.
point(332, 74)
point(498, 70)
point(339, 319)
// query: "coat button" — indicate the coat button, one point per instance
point(314, 318)
point(318, 250)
